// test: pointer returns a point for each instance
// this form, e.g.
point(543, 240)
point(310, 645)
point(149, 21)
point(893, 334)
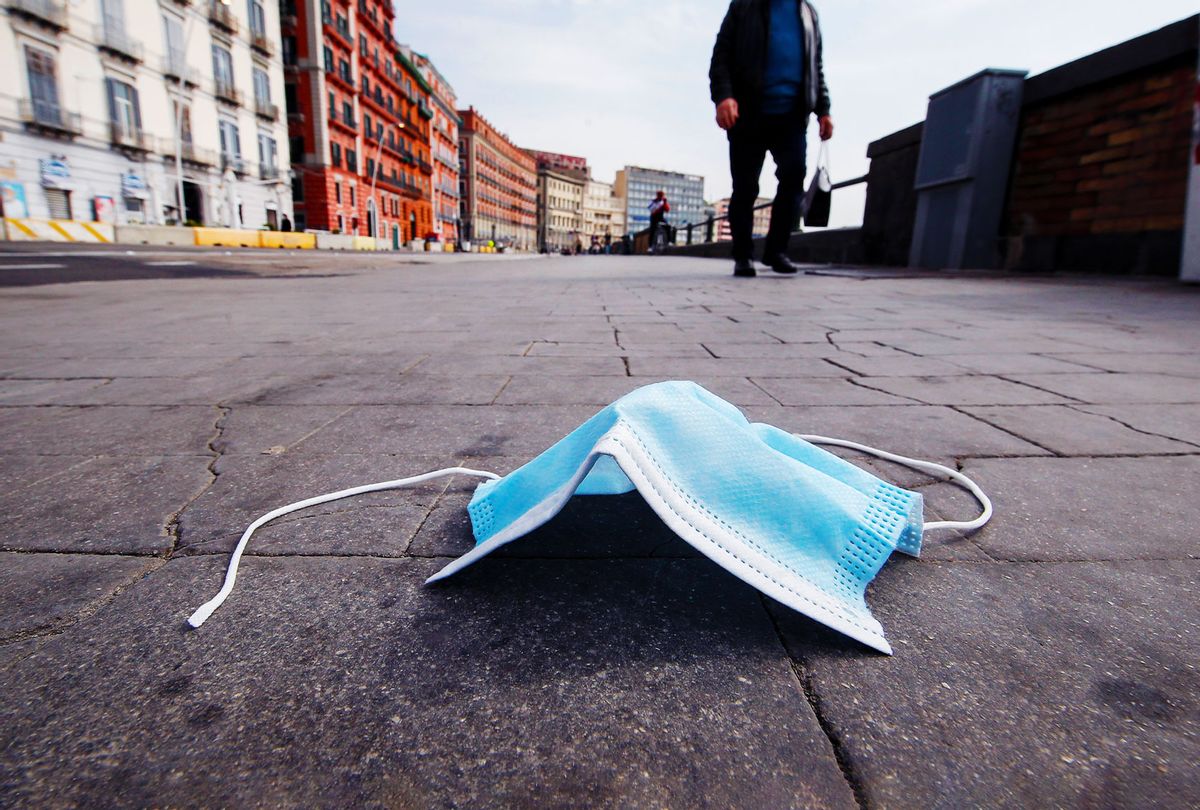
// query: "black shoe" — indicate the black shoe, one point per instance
point(744, 268)
point(781, 264)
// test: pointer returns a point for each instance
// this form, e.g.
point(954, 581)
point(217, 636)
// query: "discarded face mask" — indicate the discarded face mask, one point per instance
point(798, 523)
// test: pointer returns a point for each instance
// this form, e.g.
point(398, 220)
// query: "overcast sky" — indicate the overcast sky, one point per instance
point(626, 81)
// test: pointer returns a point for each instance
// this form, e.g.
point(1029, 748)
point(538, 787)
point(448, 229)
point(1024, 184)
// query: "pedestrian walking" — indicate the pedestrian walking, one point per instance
point(286, 227)
point(766, 78)
point(659, 208)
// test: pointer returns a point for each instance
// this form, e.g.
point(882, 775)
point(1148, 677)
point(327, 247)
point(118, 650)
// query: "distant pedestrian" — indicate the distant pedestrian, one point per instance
point(659, 208)
point(287, 224)
point(766, 78)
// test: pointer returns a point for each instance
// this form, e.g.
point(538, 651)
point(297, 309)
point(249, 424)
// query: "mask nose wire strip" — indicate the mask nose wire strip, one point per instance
point(204, 611)
point(923, 466)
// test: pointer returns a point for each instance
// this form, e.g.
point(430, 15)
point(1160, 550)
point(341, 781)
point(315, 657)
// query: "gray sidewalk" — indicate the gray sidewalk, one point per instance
point(1049, 660)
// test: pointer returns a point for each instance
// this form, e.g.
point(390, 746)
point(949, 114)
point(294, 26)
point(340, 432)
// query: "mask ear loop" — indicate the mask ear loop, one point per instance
point(923, 466)
point(204, 611)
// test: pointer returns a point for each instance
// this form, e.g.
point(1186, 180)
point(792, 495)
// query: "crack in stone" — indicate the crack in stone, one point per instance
point(807, 688)
point(171, 527)
point(1124, 424)
point(1014, 434)
point(1043, 390)
point(858, 381)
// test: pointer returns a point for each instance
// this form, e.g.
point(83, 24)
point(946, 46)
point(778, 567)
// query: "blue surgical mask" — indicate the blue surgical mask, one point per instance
point(798, 523)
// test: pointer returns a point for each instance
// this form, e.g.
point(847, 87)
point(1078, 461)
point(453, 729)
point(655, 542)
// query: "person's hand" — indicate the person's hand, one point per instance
point(727, 113)
point(826, 124)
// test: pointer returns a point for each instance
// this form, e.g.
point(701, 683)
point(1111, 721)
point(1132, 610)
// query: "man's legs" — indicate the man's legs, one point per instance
point(786, 139)
point(746, 154)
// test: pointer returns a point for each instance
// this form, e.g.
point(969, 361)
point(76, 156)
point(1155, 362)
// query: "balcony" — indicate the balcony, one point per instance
point(175, 67)
point(424, 110)
point(426, 166)
point(225, 91)
point(287, 13)
point(48, 12)
point(344, 120)
point(269, 173)
point(367, 14)
point(187, 152)
point(116, 42)
point(267, 110)
point(234, 162)
point(261, 42)
point(220, 14)
point(48, 115)
point(124, 136)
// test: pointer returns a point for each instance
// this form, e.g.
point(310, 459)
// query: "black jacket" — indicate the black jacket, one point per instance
point(740, 56)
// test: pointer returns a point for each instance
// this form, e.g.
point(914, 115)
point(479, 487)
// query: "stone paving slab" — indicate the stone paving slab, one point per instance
point(1090, 508)
point(600, 391)
point(1070, 431)
point(1069, 685)
point(977, 390)
point(931, 432)
point(109, 431)
point(44, 592)
point(346, 682)
point(1184, 365)
point(379, 389)
point(248, 486)
point(825, 392)
point(112, 505)
point(450, 433)
point(1106, 389)
point(1179, 422)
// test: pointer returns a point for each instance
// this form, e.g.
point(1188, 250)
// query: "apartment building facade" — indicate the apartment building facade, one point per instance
point(603, 213)
point(443, 145)
point(560, 210)
point(118, 109)
point(499, 186)
point(359, 113)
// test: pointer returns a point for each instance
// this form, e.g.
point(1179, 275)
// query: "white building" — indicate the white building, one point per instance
point(603, 213)
point(88, 128)
point(560, 210)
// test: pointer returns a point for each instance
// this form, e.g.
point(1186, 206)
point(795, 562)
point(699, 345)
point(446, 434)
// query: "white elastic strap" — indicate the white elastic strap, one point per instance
point(923, 466)
point(204, 611)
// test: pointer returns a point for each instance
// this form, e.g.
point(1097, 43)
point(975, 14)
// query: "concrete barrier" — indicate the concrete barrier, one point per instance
point(57, 230)
point(364, 242)
point(334, 241)
point(287, 239)
point(226, 237)
point(164, 235)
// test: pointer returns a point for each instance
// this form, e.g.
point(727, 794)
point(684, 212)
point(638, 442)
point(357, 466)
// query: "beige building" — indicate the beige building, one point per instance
point(603, 213)
point(560, 210)
point(88, 125)
point(762, 220)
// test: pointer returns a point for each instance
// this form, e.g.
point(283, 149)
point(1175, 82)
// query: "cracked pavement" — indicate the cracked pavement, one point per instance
point(1048, 660)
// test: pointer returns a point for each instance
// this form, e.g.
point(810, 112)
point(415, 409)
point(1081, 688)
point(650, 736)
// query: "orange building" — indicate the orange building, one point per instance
point(358, 115)
point(443, 145)
point(499, 186)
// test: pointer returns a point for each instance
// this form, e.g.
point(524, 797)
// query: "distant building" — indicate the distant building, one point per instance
point(560, 210)
point(359, 115)
point(638, 186)
point(443, 146)
point(603, 212)
point(102, 96)
point(499, 185)
point(762, 219)
point(566, 164)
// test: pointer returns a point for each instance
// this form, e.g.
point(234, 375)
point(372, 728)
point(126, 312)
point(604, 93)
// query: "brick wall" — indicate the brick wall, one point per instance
point(1110, 160)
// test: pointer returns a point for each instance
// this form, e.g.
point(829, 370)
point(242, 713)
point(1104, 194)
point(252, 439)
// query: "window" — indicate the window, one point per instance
point(327, 52)
point(337, 195)
point(344, 72)
point(366, 84)
point(184, 114)
point(267, 155)
point(332, 105)
point(258, 19)
point(291, 98)
point(370, 167)
point(296, 146)
point(326, 12)
point(370, 130)
point(347, 113)
point(362, 45)
point(289, 51)
point(231, 144)
point(43, 85)
point(262, 86)
point(335, 155)
point(123, 111)
point(350, 152)
point(113, 12)
point(173, 38)
point(222, 68)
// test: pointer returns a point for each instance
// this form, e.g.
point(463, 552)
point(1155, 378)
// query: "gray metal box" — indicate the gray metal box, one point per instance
point(962, 175)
